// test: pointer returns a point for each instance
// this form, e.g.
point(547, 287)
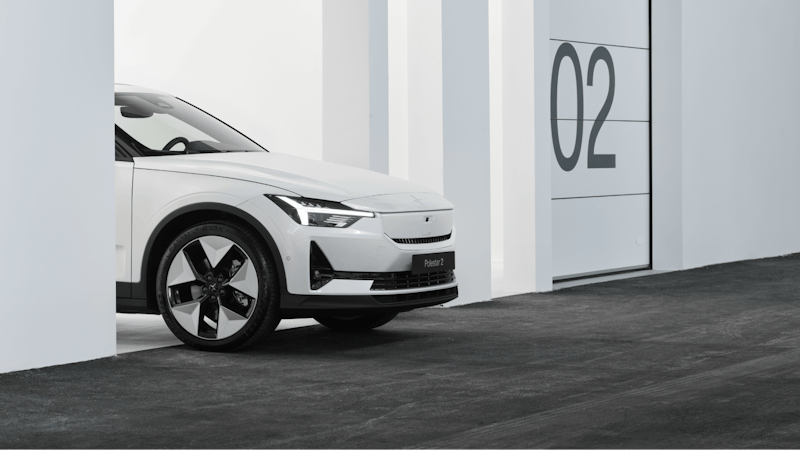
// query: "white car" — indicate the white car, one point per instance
point(224, 239)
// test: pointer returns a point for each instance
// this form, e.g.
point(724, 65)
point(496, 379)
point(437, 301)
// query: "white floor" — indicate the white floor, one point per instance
point(137, 332)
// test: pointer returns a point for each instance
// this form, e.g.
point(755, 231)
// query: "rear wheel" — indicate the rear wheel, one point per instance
point(216, 287)
point(355, 323)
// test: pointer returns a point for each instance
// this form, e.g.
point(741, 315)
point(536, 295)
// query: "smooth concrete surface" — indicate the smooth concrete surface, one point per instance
point(706, 358)
point(139, 332)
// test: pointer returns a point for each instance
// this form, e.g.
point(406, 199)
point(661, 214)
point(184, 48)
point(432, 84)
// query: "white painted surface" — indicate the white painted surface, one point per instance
point(465, 81)
point(740, 156)
point(496, 129)
point(598, 225)
point(258, 65)
point(606, 22)
point(139, 332)
point(415, 92)
point(527, 147)
point(293, 76)
point(345, 82)
point(667, 137)
point(379, 86)
point(631, 91)
point(600, 234)
point(57, 65)
point(123, 192)
point(628, 141)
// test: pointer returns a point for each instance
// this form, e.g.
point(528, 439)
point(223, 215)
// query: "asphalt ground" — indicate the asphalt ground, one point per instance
point(695, 359)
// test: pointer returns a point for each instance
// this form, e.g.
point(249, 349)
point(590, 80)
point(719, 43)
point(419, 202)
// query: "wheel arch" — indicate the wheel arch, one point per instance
point(182, 218)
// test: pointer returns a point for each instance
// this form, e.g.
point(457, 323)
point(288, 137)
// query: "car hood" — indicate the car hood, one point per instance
point(305, 177)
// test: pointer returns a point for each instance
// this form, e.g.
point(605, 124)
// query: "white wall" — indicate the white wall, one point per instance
point(741, 156)
point(465, 100)
point(345, 82)
point(415, 92)
point(727, 156)
point(292, 75)
point(57, 182)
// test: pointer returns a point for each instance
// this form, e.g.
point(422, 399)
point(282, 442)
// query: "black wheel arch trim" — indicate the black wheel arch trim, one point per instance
point(139, 290)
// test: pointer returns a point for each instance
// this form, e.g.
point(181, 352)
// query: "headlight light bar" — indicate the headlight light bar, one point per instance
point(318, 213)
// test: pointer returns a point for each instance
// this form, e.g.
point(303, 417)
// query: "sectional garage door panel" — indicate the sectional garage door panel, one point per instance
point(610, 22)
point(599, 235)
point(600, 127)
point(629, 142)
point(631, 100)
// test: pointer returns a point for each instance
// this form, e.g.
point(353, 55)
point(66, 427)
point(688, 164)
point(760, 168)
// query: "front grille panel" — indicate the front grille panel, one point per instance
point(427, 240)
point(448, 294)
point(406, 280)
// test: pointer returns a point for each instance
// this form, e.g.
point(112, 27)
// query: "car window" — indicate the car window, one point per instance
point(161, 124)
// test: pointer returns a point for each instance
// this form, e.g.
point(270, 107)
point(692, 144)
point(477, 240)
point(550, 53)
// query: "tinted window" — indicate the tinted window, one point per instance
point(162, 124)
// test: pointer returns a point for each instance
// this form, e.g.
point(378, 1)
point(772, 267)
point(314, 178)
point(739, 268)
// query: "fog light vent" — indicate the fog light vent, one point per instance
point(321, 272)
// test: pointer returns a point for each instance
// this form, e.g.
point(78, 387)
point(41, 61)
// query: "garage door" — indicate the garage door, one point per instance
point(600, 124)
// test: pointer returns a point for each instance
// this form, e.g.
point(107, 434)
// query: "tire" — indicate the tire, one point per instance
point(355, 323)
point(216, 287)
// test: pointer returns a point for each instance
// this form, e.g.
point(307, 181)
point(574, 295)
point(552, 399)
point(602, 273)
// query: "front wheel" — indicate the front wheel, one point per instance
point(216, 287)
point(355, 323)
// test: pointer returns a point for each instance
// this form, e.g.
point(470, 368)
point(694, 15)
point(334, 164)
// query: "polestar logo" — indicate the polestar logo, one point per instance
point(418, 200)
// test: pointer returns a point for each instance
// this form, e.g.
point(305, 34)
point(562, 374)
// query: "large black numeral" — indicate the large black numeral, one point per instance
point(601, 161)
point(566, 50)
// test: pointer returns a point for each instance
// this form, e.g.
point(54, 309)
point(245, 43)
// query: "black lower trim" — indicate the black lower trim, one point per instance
point(134, 305)
point(298, 306)
point(123, 290)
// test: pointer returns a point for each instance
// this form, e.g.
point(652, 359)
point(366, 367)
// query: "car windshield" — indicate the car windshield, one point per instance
point(163, 125)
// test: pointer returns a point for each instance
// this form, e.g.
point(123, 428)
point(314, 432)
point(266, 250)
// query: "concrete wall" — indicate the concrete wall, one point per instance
point(57, 182)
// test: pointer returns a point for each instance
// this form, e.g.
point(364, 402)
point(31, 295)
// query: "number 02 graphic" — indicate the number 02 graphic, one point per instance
point(566, 50)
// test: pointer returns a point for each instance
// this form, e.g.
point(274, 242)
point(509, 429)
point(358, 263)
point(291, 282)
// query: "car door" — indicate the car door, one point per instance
point(123, 190)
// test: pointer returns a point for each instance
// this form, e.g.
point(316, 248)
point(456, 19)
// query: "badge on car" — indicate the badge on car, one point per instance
point(435, 262)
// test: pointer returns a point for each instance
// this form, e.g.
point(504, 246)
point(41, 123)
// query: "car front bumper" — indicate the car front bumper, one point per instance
point(364, 247)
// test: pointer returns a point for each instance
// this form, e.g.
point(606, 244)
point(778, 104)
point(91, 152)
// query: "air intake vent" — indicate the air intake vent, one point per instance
point(428, 240)
point(405, 280)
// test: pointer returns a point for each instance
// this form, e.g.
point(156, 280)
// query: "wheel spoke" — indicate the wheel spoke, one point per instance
point(246, 280)
point(188, 316)
point(215, 247)
point(181, 271)
point(229, 323)
point(209, 312)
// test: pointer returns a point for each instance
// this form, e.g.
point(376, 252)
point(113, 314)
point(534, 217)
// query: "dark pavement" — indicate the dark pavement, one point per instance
point(695, 359)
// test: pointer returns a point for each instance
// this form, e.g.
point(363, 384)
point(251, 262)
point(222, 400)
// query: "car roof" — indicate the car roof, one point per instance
point(118, 87)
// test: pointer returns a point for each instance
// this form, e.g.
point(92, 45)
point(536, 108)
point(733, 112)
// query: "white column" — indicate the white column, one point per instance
point(465, 70)
point(527, 145)
point(667, 135)
point(345, 82)
point(415, 91)
point(496, 137)
point(378, 86)
point(57, 181)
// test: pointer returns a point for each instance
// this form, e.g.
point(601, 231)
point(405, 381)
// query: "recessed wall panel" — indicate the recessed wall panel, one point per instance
point(628, 142)
point(631, 95)
point(602, 234)
point(609, 22)
point(600, 129)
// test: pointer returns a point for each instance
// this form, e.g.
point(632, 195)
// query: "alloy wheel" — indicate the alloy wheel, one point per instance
point(212, 288)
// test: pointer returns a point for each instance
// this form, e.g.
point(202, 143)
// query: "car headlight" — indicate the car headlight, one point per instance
point(318, 213)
